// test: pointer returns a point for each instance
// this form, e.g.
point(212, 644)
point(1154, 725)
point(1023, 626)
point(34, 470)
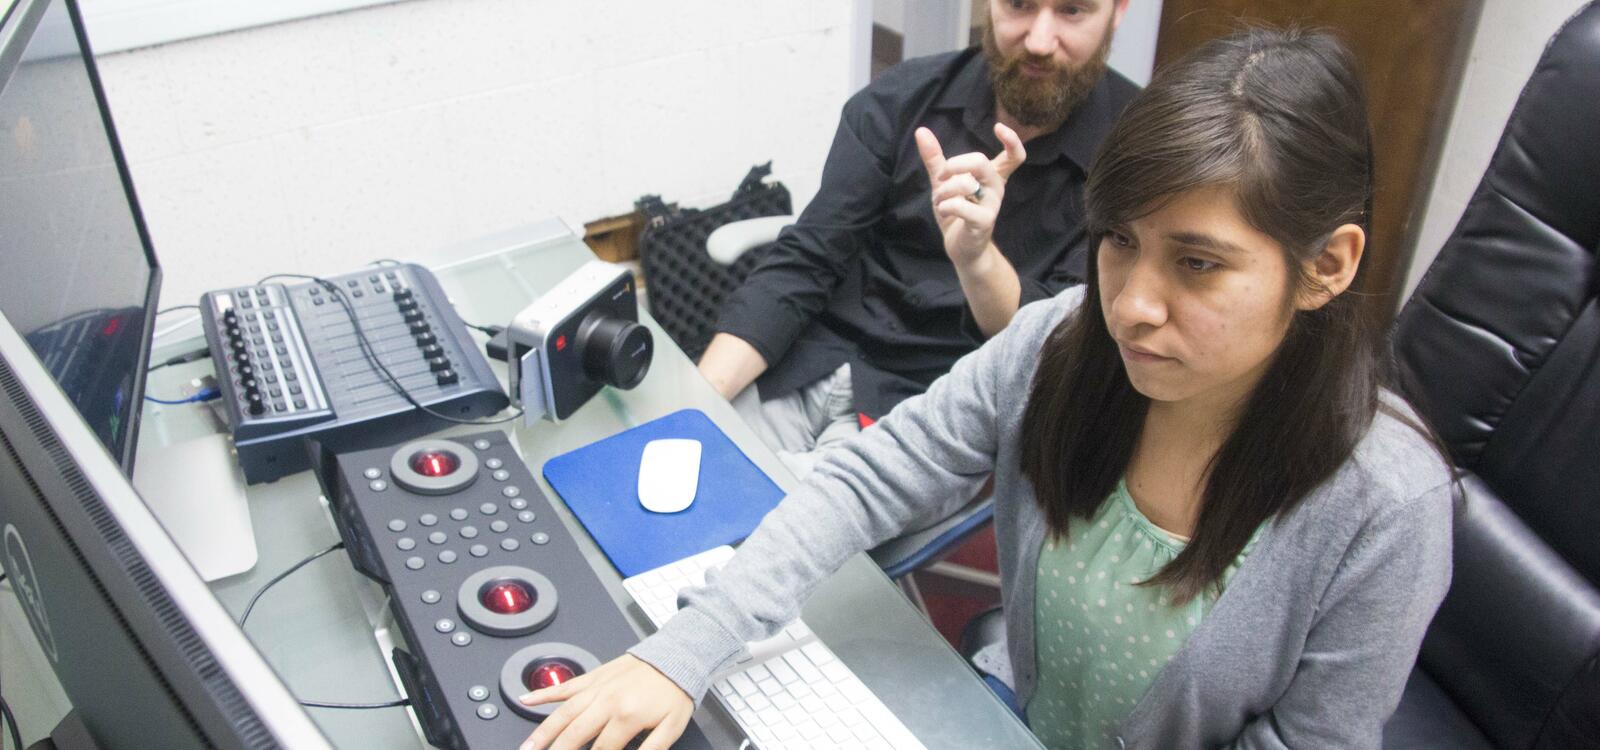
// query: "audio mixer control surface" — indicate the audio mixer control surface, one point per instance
point(292, 364)
point(492, 596)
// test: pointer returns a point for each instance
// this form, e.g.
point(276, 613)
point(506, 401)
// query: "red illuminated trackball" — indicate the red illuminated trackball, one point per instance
point(550, 675)
point(435, 463)
point(507, 598)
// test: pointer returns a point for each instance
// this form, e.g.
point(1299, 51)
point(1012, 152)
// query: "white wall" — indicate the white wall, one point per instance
point(1133, 50)
point(321, 144)
point(1511, 35)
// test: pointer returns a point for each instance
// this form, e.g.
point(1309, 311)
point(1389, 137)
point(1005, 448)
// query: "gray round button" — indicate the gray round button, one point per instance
point(372, 473)
point(509, 545)
point(459, 514)
point(478, 550)
point(487, 711)
point(501, 475)
point(526, 516)
point(428, 519)
point(437, 537)
point(444, 625)
point(510, 490)
point(498, 526)
point(462, 638)
point(447, 557)
point(414, 563)
point(397, 525)
point(430, 597)
point(469, 532)
point(488, 509)
point(478, 693)
point(481, 444)
point(494, 463)
point(518, 504)
point(378, 485)
point(406, 543)
point(539, 537)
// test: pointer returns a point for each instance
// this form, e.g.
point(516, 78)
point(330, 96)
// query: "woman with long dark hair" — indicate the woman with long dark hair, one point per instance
point(1216, 526)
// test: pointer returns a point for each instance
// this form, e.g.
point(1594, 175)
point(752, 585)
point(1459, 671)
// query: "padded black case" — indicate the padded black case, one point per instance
point(685, 288)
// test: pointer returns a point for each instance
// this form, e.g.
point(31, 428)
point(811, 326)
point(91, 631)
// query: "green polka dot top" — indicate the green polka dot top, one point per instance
point(1101, 639)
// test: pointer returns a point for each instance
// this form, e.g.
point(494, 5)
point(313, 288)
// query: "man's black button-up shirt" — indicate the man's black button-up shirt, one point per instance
point(862, 276)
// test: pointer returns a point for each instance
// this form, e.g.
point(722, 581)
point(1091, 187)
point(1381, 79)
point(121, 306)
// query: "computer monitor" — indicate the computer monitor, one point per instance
point(141, 647)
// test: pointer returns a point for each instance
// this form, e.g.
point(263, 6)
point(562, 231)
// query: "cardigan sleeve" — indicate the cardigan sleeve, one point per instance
point(1363, 643)
point(926, 459)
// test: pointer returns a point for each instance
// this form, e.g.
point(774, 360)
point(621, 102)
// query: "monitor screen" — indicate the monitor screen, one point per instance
point(79, 278)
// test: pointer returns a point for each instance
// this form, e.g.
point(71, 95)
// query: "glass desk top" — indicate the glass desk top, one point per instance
point(313, 629)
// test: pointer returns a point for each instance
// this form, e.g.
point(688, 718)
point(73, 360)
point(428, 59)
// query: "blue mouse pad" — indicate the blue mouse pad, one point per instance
point(600, 483)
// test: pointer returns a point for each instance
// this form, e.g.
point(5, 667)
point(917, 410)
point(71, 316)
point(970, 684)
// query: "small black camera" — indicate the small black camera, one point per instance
point(580, 336)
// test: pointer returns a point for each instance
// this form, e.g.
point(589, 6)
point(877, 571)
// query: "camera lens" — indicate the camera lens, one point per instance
point(615, 351)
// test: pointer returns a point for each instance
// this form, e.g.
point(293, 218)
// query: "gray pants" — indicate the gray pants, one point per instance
point(803, 425)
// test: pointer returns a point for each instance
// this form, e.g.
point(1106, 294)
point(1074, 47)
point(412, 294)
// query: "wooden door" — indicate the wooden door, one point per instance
point(1411, 56)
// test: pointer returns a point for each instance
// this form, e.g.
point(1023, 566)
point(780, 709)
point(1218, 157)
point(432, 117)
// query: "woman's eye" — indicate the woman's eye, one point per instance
point(1121, 240)
point(1198, 265)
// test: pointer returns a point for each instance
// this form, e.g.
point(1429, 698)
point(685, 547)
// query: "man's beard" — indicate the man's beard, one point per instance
point(1046, 102)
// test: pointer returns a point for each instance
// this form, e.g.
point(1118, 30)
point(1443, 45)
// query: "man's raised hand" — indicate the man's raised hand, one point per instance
point(966, 191)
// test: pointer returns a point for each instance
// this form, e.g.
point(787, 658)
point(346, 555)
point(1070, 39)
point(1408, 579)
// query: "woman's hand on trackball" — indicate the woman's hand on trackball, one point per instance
point(610, 706)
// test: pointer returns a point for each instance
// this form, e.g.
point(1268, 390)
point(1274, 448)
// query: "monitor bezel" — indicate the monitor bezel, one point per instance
point(23, 20)
point(135, 561)
point(152, 294)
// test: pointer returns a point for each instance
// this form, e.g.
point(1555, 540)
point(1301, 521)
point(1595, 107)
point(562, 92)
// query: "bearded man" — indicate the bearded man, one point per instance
point(860, 304)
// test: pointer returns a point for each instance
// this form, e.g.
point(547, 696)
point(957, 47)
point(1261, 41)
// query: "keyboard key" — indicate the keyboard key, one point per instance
point(802, 666)
point(782, 671)
point(742, 684)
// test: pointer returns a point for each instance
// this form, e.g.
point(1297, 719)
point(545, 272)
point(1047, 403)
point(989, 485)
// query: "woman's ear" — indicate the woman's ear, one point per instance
point(1332, 270)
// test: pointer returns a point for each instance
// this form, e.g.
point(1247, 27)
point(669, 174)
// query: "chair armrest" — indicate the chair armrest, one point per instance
point(726, 243)
point(913, 550)
point(1518, 628)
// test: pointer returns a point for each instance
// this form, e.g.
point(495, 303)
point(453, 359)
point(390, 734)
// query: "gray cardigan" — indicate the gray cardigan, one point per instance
point(1309, 646)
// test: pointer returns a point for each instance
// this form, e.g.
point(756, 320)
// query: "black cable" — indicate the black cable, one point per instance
point(11, 723)
point(329, 704)
point(491, 330)
point(182, 359)
point(279, 577)
point(273, 582)
point(372, 355)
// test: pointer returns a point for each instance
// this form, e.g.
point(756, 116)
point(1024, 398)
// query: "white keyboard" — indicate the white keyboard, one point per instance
point(791, 691)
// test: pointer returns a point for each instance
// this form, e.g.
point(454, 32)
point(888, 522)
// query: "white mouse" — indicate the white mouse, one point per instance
point(669, 474)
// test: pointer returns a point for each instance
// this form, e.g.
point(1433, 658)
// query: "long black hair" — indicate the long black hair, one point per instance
point(1280, 119)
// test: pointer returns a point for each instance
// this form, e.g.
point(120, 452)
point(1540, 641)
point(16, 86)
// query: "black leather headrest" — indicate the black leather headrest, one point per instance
point(1503, 334)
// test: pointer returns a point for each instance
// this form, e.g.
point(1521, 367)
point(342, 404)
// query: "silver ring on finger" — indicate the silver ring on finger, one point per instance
point(977, 195)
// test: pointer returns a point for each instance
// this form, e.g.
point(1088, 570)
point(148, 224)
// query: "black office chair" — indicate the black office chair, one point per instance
point(694, 259)
point(1503, 338)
